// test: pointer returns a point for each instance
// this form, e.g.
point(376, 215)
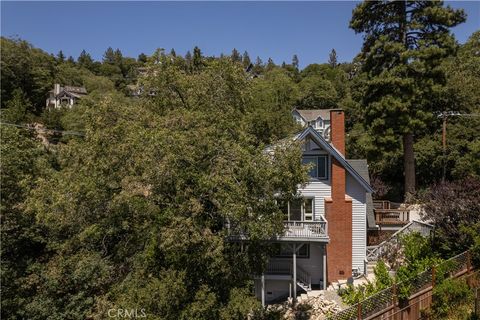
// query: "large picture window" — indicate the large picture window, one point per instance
point(318, 166)
point(298, 209)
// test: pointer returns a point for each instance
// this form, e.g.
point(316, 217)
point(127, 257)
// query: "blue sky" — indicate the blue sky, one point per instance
point(265, 29)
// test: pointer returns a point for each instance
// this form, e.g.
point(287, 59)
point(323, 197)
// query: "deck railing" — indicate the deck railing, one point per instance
point(305, 229)
point(392, 216)
point(292, 230)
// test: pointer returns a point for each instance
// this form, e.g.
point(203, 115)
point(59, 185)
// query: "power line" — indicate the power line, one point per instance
point(29, 127)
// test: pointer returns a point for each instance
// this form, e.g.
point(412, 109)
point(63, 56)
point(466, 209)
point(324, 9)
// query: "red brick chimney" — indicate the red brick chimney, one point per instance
point(337, 127)
point(338, 209)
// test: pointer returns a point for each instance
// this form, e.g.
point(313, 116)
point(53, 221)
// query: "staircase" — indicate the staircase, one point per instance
point(375, 252)
point(304, 280)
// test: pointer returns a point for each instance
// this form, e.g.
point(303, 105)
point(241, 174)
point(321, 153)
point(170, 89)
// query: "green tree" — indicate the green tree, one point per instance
point(332, 58)
point(295, 62)
point(85, 60)
point(404, 44)
point(246, 59)
point(142, 57)
point(60, 57)
point(235, 56)
point(197, 61)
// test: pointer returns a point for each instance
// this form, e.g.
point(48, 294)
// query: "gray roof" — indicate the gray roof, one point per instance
point(313, 114)
point(335, 153)
point(361, 166)
point(77, 90)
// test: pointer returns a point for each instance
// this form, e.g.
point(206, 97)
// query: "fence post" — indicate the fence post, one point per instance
point(433, 276)
point(477, 302)
point(359, 310)
point(469, 261)
point(394, 300)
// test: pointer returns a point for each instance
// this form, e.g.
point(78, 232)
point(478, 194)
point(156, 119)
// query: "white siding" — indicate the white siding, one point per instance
point(359, 222)
point(319, 190)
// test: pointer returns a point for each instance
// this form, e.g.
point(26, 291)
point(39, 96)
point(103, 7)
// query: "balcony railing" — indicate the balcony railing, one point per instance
point(294, 230)
point(392, 213)
point(392, 216)
point(305, 229)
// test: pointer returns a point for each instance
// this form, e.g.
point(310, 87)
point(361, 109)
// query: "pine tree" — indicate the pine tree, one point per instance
point(85, 60)
point(173, 53)
point(70, 60)
point(60, 57)
point(295, 61)
point(404, 43)
point(270, 64)
point(188, 61)
point(197, 61)
point(236, 55)
point(246, 59)
point(142, 57)
point(332, 58)
point(109, 56)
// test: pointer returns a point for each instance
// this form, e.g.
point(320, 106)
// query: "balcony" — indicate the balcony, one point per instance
point(312, 231)
point(390, 213)
point(305, 230)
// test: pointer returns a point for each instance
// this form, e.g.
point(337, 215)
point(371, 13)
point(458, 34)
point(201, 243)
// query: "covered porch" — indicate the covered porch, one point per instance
point(298, 266)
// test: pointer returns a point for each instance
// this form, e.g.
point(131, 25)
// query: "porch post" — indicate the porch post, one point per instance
point(294, 285)
point(324, 267)
point(263, 289)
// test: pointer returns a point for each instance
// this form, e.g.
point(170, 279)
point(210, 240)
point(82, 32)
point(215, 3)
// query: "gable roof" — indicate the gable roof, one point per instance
point(335, 153)
point(77, 90)
point(313, 114)
point(361, 166)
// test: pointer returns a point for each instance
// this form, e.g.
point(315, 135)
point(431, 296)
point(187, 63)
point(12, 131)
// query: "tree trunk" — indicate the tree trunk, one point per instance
point(409, 165)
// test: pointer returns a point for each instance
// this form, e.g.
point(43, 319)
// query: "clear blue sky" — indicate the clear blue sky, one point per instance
point(265, 29)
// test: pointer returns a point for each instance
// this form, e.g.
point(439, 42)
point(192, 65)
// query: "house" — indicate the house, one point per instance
point(65, 96)
point(325, 235)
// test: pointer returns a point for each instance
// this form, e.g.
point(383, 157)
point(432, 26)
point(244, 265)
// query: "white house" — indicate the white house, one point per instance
point(64, 96)
point(325, 234)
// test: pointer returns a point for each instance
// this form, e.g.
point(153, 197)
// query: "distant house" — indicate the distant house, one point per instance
point(318, 119)
point(65, 96)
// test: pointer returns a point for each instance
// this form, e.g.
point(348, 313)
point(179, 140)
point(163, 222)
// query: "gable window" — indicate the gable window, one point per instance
point(318, 166)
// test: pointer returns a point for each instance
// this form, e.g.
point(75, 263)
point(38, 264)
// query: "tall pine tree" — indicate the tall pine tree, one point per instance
point(404, 44)
point(332, 58)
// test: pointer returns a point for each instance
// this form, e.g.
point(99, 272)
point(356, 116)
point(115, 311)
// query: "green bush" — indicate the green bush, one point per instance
point(448, 296)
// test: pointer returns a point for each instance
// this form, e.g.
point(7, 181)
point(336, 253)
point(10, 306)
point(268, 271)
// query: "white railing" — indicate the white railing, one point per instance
point(304, 278)
point(375, 252)
point(305, 229)
point(285, 267)
point(279, 267)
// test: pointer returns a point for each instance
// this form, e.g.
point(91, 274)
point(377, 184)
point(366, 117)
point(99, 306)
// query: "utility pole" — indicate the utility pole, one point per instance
point(444, 115)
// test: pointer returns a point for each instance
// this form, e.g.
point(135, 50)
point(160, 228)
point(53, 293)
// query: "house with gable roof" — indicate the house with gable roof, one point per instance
point(65, 96)
point(325, 234)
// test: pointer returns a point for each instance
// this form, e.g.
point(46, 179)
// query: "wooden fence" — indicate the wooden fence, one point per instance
point(387, 304)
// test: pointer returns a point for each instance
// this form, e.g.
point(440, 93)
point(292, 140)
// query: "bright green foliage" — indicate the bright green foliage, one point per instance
point(449, 297)
point(135, 213)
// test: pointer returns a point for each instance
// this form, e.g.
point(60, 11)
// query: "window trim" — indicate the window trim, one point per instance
point(327, 166)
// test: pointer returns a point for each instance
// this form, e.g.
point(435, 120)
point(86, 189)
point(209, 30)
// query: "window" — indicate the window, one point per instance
point(318, 166)
point(298, 209)
point(308, 209)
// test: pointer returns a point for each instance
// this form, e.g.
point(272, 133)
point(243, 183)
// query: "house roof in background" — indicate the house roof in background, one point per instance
point(313, 114)
point(77, 90)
